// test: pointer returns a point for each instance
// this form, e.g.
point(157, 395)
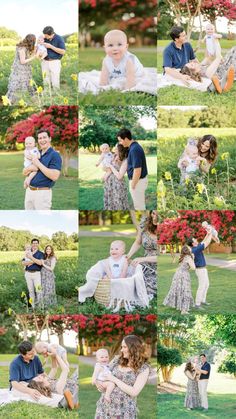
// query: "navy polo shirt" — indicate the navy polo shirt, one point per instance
point(58, 42)
point(136, 158)
point(52, 160)
point(174, 57)
point(24, 371)
point(199, 258)
point(35, 267)
point(205, 367)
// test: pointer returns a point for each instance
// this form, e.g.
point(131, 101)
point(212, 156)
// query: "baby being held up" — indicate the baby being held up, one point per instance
point(102, 368)
point(45, 349)
point(210, 229)
point(41, 50)
point(116, 266)
point(105, 159)
point(119, 64)
point(30, 151)
point(212, 44)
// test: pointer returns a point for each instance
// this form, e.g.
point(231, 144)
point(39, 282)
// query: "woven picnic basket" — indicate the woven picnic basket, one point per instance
point(103, 292)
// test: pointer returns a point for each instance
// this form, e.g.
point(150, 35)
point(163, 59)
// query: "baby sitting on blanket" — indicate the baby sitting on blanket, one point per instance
point(119, 64)
point(116, 266)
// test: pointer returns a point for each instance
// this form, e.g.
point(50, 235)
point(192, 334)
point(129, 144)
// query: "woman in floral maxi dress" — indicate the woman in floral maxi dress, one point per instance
point(48, 278)
point(192, 397)
point(180, 294)
point(129, 372)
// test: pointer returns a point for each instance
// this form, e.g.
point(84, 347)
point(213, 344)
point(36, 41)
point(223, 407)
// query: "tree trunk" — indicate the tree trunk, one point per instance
point(167, 373)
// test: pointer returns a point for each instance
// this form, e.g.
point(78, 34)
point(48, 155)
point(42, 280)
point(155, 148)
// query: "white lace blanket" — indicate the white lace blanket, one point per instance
point(89, 82)
point(130, 291)
point(7, 396)
point(165, 81)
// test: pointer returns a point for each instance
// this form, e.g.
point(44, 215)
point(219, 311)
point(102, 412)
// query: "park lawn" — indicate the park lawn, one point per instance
point(65, 191)
point(89, 396)
point(181, 96)
point(114, 228)
point(91, 186)
point(221, 293)
point(12, 282)
point(172, 406)
point(91, 251)
point(91, 59)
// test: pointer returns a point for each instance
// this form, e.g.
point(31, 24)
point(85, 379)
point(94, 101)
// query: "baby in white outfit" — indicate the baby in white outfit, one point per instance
point(30, 151)
point(116, 266)
point(189, 162)
point(41, 50)
point(119, 64)
point(212, 44)
point(45, 349)
point(106, 159)
point(210, 229)
point(100, 371)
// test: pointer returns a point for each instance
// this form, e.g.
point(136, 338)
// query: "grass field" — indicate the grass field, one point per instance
point(175, 95)
point(12, 282)
point(91, 59)
point(221, 293)
point(30, 410)
point(68, 94)
point(91, 186)
point(65, 191)
point(172, 406)
point(93, 249)
point(89, 396)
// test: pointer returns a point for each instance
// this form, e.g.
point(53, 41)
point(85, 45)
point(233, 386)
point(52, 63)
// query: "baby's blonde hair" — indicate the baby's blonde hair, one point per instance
point(30, 138)
point(115, 32)
point(38, 345)
point(120, 242)
point(103, 145)
point(99, 351)
point(204, 224)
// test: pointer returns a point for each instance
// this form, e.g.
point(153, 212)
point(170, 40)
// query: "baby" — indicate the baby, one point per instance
point(27, 251)
point(30, 151)
point(116, 266)
point(211, 41)
point(102, 368)
point(45, 349)
point(119, 64)
point(210, 229)
point(41, 50)
point(189, 162)
point(105, 159)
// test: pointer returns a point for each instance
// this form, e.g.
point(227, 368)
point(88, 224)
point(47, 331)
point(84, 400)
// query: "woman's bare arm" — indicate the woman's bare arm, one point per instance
point(136, 245)
point(119, 174)
point(23, 59)
point(53, 264)
point(134, 390)
point(61, 382)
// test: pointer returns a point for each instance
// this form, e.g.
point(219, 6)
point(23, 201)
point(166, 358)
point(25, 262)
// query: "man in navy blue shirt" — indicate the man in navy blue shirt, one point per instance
point(51, 65)
point(201, 270)
point(24, 368)
point(203, 381)
point(137, 168)
point(177, 54)
point(38, 195)
point(33, 273)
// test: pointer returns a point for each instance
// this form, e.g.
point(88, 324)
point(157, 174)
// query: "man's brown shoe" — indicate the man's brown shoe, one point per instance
point(69, 398)
point(230, 79)
point(217, 84)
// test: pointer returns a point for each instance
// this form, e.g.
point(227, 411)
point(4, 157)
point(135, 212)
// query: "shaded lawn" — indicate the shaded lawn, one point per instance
point(221, 293)
point(12, 192)
point(91, 59)
point(175, 95)
point(172, 406)
point(12, 273)
point(91, 185)
point(93, 249)
point(89, 395)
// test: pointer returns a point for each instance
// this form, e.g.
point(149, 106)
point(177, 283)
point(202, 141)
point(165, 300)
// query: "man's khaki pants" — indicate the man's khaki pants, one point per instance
point(202, 387)
point(33, 280)
point(38, 200)
point(203, 285)
point(138, 193)
point(51, 73)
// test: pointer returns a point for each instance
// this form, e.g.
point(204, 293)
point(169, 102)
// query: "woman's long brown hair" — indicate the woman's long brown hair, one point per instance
point(149, 226)
point(189, 367)
point(191, 73)
point(37, 385)
point(185, 251)
point(28, 42)
point(137, 355)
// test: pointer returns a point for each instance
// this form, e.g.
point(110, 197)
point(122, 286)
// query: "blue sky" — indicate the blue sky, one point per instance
point(31, 16)
point(41, 222)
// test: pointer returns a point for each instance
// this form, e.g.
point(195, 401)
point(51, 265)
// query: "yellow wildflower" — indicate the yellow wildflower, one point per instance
point(161, 189)
point(74, 77)
point(187, 180)
point(65, 100)
point(225, 156)
point(30, 300)
point(5, 101)
point(213, 171)
point(32, 82)
point(200, 187)
point(39, 89)
point(9, 311)
point(21, 103)
point(168, 176)
point(23, 294)
point(219, 201)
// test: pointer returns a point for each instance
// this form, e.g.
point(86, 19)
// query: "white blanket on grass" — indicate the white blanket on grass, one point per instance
point(89, 83)
point(130, 291)
point(166, 81)
point(7, 396)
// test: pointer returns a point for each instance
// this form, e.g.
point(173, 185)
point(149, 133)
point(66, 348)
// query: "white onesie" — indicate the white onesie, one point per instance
point(119, 71)
point(105, 370)
point(193, 166)
point(34, 152)
point(107, 159)
point(116, 266)
point(42, 49)
point(60, 350)
point(210, 45)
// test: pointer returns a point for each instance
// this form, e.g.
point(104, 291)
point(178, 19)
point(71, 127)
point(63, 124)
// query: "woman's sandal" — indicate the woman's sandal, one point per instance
point(69, 398)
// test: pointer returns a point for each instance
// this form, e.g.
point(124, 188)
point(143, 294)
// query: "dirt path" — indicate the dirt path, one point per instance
point(225, 264)
point(106, 234)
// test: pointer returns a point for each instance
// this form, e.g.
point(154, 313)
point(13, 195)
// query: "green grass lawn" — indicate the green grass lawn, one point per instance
point(89, 396)
point(91, 59)
point(91, 186)
point(12, 282)
point(172, 406)
point(93, 249)
point(30, 410)
point(114, 228)
point(12, 192)
point(174, 95)
point(221, 293)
